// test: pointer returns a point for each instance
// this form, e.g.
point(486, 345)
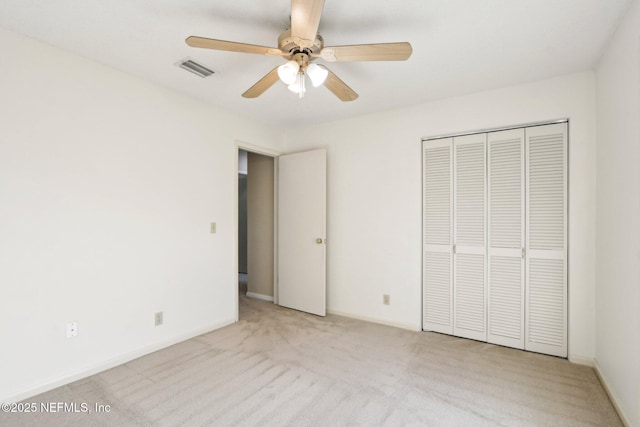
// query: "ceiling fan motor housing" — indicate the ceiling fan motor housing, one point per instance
point(286, 43)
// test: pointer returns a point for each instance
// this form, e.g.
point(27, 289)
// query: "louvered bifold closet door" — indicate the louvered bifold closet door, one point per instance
point(506, 225)
point(437, 257)
point(546, 237)
point(469, 230)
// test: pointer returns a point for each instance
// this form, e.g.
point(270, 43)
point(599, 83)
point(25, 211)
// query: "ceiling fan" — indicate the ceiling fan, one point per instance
point(301, 45)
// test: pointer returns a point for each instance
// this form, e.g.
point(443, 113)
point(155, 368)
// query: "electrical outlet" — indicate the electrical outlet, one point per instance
point(386, 299)
point(72, 329)
point(213, 228)
point(158, 318)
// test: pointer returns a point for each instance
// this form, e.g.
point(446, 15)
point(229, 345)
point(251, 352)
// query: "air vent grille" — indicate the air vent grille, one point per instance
point(195, 68)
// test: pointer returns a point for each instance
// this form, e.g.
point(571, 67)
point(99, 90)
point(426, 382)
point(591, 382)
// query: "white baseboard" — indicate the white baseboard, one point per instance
point(581, 360)
point(375, 320)
point(108, 364)
point(610, 393)
point(259, 296)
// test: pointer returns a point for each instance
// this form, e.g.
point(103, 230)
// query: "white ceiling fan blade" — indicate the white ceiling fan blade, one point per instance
point(368, 52)
point(305, 19)
point(339, 88)
point(262, 85)
point(228, 46)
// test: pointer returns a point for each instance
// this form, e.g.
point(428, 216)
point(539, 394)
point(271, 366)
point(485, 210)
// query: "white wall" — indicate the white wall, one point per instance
point(618, 216)
point(107, 188)
point(374, 196)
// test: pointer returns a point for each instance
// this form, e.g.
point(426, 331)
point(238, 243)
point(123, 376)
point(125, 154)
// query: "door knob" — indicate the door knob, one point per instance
point(319, 241)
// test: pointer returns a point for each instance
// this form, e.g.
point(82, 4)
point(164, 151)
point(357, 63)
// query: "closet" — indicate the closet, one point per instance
point(494, 237)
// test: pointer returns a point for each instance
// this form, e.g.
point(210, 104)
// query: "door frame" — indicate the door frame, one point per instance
point(241, 145)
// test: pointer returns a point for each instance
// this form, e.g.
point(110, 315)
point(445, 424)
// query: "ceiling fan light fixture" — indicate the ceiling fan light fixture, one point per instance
point(317, 74)
point(298, 85)
point(288, 72)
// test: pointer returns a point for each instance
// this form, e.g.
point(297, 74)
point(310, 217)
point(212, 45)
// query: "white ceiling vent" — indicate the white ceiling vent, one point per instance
point(195, 68)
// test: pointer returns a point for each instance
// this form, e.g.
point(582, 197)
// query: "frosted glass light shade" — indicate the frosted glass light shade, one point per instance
point(288, 72)
point(317, 74)
point(298, 85)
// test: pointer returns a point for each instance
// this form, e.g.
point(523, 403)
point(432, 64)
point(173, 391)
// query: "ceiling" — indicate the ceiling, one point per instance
point(459, 46)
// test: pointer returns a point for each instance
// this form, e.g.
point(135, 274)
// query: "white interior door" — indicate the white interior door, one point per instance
point(437, 275)
point(546, 253)
point(469, 213)
point(302, 231)
point(506, 238)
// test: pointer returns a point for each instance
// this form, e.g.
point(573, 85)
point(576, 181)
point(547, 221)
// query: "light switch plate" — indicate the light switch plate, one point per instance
point(213, 228)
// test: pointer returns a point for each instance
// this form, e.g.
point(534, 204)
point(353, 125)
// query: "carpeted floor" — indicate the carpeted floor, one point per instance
point(280, 367)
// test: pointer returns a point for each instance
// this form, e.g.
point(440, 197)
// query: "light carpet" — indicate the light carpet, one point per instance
point(280, 367)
